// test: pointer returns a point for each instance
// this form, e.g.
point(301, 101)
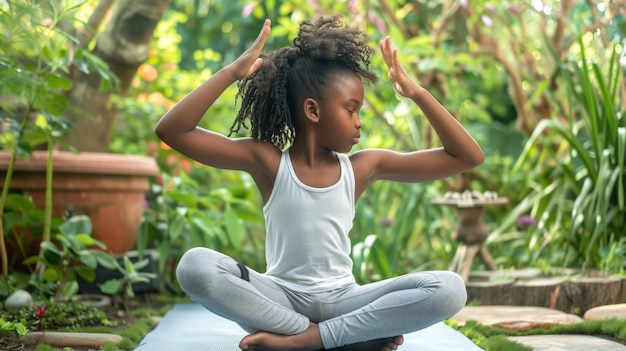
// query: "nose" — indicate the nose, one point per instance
point(359, 122)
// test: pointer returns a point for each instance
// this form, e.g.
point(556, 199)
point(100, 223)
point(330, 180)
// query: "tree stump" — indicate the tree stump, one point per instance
point(574, 296)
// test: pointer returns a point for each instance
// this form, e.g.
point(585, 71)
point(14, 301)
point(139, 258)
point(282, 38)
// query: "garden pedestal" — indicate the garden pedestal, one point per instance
point(471, 233)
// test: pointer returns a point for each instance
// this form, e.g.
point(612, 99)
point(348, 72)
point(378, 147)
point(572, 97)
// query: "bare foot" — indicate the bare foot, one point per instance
point(308, 340)
point(384, 344)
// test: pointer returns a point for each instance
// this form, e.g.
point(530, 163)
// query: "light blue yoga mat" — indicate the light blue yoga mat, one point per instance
point(190, 327)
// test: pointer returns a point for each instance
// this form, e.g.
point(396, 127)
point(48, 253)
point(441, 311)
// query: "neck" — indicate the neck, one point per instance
point(306, 151)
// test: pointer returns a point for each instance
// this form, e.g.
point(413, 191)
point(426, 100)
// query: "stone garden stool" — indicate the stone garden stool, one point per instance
point(470, 230)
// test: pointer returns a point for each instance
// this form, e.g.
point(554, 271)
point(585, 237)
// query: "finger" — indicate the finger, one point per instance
point(263, 35)
point(395, 59)
point(255, 67)
point(385, 45)
point(398, 68)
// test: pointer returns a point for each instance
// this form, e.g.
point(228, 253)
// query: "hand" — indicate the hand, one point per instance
point(401, 81)
point(249, 62)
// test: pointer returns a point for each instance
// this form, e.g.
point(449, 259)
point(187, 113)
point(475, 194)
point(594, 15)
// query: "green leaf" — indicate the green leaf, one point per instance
point(86, 273)
point(34, 259)
point(51, 254)
point(85, 239)
point(86, 257)
point(176, 228)
point(75, 225)
point(164, 251)
point(233, 227)
point(70, 289)
point(21, 329)
point(58, 82)
point(51, 275)
point(141, 264)
point(111, 287)
point(106, 260)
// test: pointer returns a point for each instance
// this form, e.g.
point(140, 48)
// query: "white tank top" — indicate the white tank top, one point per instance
point(307, 243)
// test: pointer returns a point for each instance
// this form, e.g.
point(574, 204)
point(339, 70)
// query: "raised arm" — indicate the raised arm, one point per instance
point(179, 127)
point(459, 152)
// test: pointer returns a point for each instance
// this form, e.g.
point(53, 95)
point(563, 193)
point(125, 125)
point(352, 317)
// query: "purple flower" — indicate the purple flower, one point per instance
point(464, 3)
point(514, 9)
point(491, 8)
point(487, 21)
point(386, 222)
point(247, 10)
point(377, 22)
point(315, 5)
point(353, 6)
point(525, 221)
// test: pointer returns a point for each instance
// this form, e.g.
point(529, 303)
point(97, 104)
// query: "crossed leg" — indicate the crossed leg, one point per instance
point(376, 310)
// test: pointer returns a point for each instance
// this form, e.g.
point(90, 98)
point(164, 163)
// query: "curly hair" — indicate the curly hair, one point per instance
point(271, 96)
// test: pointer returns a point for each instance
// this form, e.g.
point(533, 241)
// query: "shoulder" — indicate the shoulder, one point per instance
point(265, 154)
point(366, 165)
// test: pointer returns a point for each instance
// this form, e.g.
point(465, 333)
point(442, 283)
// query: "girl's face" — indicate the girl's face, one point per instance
point(339, 108)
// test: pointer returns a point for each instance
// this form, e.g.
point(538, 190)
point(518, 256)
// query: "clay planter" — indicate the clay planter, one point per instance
point(108, 188)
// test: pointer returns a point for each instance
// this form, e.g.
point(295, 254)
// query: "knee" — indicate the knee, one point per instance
point(453, 292)
point(191, 266)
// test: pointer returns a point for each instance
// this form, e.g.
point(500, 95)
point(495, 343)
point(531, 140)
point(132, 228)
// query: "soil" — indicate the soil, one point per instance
point(124, 318)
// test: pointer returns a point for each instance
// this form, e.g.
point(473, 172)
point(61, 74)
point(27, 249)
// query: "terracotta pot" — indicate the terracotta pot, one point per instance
point(108, 188)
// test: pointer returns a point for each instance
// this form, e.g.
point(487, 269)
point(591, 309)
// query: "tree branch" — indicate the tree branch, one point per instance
point(87, 32)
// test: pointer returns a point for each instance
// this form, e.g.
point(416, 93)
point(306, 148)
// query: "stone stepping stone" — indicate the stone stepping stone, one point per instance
point(518, 318)
point(605, 312)
point(71, 339)
point(567, 343)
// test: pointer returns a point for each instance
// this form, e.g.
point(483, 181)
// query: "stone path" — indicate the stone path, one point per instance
point(523, 318)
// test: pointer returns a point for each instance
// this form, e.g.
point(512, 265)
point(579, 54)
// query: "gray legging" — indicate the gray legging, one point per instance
point(350, 315)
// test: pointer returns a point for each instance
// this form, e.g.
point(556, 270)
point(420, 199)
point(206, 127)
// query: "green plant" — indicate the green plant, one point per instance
point(72, 253)
point(397, 230)
point(578, 194)
point(36, 60)
point(18, 327)
point(68, 315)
point(131, 274)
point(187, 211)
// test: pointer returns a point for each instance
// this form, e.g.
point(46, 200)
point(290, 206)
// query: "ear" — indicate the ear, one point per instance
point(311, 110)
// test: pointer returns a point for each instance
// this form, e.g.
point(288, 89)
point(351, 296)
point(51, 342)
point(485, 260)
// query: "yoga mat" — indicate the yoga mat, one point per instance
point(190, 327)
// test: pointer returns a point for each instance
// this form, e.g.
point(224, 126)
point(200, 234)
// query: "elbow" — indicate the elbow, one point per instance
point(158, 130)
point(161, 131)
point(476, 159)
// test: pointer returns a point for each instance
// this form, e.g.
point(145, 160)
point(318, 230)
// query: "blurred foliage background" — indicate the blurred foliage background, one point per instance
point(538, 83)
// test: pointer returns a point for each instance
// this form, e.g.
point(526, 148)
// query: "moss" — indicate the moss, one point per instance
point(495, 339)
point(135, 333)
point(502, 343)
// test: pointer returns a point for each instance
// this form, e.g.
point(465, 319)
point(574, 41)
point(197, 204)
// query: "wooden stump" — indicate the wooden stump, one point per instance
point(560, 293)
point(579, 296)
point(490, 293)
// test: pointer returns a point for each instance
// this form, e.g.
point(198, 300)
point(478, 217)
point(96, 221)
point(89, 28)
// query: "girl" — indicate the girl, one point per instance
point(303, 104)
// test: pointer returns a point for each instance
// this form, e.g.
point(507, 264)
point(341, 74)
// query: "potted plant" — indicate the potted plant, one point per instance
point(50, 81)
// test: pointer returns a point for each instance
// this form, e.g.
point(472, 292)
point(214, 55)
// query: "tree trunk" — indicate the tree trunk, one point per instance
point(123, 45)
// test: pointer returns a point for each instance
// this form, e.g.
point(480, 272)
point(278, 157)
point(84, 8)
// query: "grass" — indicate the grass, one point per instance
point(132, 328)
point(496, 339)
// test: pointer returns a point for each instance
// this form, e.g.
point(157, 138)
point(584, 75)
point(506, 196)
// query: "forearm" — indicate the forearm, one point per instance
point(186, 114)
point(455, 139)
